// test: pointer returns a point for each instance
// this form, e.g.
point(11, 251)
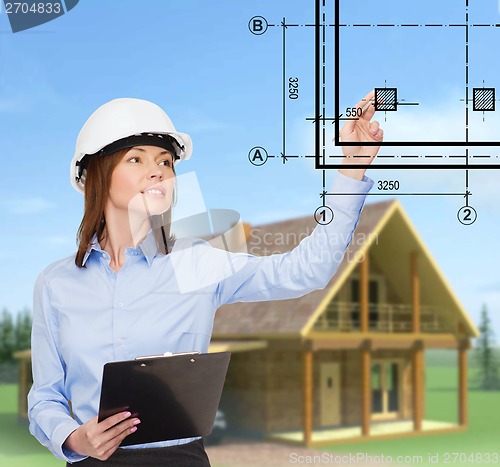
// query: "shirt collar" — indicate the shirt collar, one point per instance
point(147, 247)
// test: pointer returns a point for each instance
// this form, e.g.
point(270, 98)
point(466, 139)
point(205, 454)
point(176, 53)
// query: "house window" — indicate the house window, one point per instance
point(376, 388)
point(392, 386)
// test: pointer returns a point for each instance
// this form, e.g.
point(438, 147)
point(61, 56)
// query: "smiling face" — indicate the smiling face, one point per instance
point(142, 182)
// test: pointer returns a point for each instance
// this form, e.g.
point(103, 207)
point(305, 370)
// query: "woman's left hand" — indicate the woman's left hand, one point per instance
point(360, 130)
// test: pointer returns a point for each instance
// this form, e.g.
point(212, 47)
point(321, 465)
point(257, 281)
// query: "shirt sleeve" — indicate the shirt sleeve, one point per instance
point(310, 265)
point(48, 409)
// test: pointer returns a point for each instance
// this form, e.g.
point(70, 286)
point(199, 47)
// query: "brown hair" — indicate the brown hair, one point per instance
point(96, 188)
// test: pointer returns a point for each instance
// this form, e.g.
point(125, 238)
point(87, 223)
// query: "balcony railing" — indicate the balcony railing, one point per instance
point(383, 317)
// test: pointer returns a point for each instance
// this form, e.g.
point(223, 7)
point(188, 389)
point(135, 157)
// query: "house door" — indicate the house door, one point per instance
point(330, 393)
point(385, 385)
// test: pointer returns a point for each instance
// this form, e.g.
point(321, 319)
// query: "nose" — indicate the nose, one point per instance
point(154, 170)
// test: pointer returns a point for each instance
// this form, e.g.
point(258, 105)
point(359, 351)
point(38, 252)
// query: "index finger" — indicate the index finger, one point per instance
point(114, 419)
point(365, 102)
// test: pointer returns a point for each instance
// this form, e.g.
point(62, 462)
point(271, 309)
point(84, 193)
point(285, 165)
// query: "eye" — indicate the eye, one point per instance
point(167, 162)
point(132, 158)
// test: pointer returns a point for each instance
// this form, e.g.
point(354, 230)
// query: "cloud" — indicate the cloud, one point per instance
point(278, 215)
point(206, 125)
point(491, 287)
point(444, 121)
point(14, 104)
point(200, 122)
point(59, 240)
point(28, 205)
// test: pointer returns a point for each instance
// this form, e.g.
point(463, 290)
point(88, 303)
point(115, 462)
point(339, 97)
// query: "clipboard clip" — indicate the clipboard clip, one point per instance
point(167, 354)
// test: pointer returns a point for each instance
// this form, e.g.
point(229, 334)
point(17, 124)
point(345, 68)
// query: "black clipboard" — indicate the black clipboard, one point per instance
point(175, 396)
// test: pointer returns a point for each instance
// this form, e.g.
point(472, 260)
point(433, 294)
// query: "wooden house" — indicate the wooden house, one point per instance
point(344, 363)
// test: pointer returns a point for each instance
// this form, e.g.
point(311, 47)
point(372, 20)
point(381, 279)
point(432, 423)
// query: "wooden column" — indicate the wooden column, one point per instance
point(25, 381)
point(366, 405)
point(415, 291)
point(363, 293)
point(463, 417)
point(418, 350)
point(23, 389)
point(307, 391)
point(418, 385)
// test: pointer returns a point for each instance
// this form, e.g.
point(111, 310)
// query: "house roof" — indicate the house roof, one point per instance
point(383, 227)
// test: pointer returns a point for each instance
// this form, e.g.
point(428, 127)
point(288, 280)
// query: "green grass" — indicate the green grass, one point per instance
point(18, 448)
point(441, 403)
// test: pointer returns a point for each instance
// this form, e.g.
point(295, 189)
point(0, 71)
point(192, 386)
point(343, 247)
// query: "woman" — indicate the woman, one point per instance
point(124, 293)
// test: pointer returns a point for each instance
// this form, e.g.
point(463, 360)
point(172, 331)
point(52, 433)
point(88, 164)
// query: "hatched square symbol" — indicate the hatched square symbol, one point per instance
point(483, 99)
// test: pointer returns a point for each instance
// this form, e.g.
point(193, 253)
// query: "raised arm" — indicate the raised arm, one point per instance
point(357, 131)
point(311, 264)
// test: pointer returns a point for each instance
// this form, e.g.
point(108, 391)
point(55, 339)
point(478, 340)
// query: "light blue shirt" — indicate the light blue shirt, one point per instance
point(86, 317)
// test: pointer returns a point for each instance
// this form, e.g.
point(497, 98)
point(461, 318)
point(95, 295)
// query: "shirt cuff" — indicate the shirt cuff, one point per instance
point(59, 437)
point(348, 193)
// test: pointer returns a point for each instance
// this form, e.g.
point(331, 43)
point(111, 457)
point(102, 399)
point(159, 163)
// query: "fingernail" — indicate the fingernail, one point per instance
point(126, 414)
point(136, 422)
point(134, 428)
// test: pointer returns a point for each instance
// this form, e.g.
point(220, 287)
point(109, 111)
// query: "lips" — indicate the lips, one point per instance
point(157, 190)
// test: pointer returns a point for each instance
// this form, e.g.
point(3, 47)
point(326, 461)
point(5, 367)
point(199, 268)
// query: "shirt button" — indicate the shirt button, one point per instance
point(120, 305)
point(120, 341)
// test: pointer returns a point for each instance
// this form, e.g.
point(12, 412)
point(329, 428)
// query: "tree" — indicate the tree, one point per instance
point(23, 329)
point(7, 336)
point(485, 356)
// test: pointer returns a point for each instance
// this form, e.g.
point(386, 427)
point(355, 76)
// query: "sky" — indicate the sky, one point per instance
point(223, 85)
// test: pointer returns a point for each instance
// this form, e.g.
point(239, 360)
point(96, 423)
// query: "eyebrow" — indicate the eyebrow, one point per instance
point(159, 154)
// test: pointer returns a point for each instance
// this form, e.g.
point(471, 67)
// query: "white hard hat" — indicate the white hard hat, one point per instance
point(122, 123)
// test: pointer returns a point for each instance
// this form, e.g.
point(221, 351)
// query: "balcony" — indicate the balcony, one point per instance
point(383, 317)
